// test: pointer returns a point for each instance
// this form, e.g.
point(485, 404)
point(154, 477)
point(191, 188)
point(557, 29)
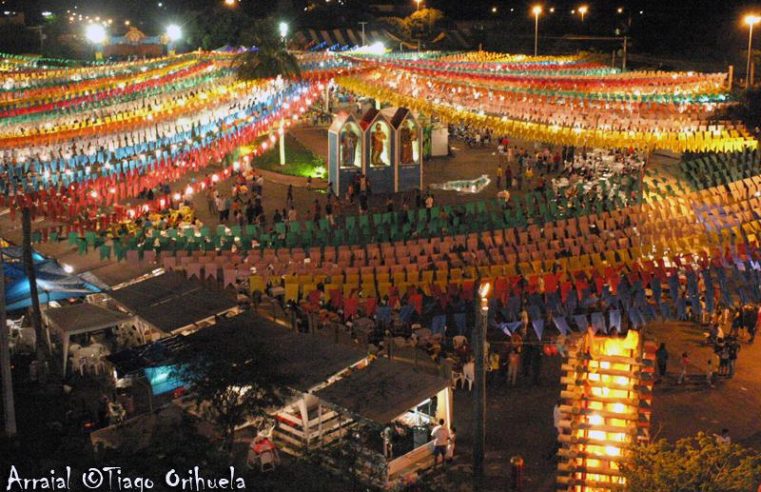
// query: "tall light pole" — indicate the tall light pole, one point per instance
point(363, 24)
point(479, 386)
point(9, 409)
point(751, 20)
point(536, 10)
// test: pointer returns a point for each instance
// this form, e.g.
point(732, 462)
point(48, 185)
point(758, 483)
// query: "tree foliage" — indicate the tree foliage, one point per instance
point(269, 57)
point(214, 27)
point(693, 464)
point(749, 109)
point(424, 20)
point(423, 24)
point(230, 377)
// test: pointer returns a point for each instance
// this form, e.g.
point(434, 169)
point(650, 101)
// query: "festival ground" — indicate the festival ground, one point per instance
point(519, 420)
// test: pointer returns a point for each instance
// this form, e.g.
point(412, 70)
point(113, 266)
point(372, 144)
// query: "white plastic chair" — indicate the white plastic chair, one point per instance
point(458, 377)
point(469, 371)
point(267, 461)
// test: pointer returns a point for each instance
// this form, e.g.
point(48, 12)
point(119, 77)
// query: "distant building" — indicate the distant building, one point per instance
point(12, 17)
point(135, 43)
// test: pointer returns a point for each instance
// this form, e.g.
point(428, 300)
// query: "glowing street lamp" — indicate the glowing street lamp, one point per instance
point(173, 34)
point(583, 11)
point(751, 20)
point(418, 4)
point(537, 11)
point(283, 28)
point(96, 34)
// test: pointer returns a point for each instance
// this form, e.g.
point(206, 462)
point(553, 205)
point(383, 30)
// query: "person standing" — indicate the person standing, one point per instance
point(219, 203)
point(329, 213)
point(723, 438)
point(450, 448)
point(684, 362)
point(428, 205)
point(493, 368)
point(723, 352)
point(513, 363)
point(508, 177)
point(557, 416)
point(499, 177)
point(662, 359)
point(440, 435)
point(733, 346)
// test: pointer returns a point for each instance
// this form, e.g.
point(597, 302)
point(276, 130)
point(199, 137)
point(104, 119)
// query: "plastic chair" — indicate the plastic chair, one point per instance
point(267, 461)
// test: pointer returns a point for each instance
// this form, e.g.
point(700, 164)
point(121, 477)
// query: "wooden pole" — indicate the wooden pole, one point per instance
point(479, 394)
point(9, 409)
point(31, 274)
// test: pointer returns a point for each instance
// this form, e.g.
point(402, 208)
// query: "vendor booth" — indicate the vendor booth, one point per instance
point(170, 304)
point(337, 396)
point(81, 319)
point(391, 409)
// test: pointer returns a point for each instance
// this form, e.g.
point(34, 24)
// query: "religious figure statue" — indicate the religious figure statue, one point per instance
point(348, 148)
point(407, 138)
point(378, 143)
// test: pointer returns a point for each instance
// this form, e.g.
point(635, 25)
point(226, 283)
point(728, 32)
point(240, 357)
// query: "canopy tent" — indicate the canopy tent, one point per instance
point(81, 318)
point(170, 302)
point(306, 360)
point(382, 391)
point(53, 283)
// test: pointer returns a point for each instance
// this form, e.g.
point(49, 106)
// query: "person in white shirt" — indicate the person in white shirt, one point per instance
point(723, 438)
point(440, 435)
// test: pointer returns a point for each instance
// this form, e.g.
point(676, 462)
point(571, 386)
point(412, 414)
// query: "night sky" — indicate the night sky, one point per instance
point(691, 27)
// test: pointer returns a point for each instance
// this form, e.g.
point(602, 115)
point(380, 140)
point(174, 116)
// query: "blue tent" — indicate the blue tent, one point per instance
point(53, 283)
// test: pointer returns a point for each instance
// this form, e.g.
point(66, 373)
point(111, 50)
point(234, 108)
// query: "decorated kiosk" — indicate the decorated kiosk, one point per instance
point(386, 146)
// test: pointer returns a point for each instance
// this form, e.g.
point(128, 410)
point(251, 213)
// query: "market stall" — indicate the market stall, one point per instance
point(170, 304)
point(80, 319)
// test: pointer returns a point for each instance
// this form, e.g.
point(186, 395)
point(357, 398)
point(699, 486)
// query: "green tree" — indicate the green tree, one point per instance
point(397, 26)
point(423, 22)
point(269, 57)
point(692, 464)
point(214, 27)
point(748, 110)
point(230, 377)
point(173, 443)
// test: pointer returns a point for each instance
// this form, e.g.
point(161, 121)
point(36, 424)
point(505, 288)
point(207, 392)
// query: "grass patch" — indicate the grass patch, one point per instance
point(300, 161)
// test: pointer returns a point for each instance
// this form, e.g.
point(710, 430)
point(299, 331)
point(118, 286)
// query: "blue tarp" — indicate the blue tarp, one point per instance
point(53, 283)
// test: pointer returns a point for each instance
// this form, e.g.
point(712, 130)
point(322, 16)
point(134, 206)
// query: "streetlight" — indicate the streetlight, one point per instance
point(583, 11)
point(283, 28)
point(479, 386)
point(751, 20)
point(96, 34)
point(536, 10)
point(174, 34)
point(418, 4)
